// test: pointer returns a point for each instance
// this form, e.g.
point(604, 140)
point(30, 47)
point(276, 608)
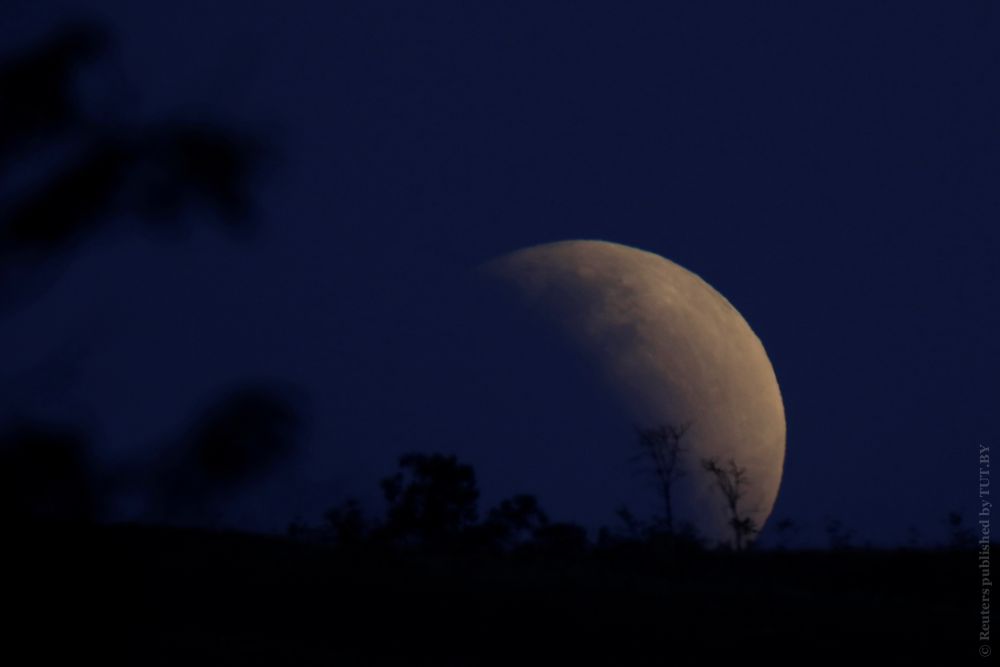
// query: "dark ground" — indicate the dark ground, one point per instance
point(163, 596)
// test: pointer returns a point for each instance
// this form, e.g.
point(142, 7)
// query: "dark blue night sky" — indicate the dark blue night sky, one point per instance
point(832, 168)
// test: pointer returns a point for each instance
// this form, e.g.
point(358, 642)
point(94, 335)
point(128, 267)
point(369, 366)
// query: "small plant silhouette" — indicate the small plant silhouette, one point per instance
point(731, 480)
point(788, 530)
point(661, 445)
point(841, 537)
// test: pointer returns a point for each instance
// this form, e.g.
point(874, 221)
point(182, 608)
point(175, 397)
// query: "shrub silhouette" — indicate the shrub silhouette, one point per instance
point(839, 536)
point(560, 541)
point(960, 536)
point(513, 523)
point(346, 524)
point(788, 530)
point(650, 538)
point(432, 503)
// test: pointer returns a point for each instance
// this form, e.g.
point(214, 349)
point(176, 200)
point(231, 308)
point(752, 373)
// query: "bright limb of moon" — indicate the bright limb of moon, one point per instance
point(676, 351)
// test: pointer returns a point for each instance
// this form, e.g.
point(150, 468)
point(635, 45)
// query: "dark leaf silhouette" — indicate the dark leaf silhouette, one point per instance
point(72, 203)
point(244, 434)
point(37, 97)
point(182, 165)
point(152, 173)
point(238, 439)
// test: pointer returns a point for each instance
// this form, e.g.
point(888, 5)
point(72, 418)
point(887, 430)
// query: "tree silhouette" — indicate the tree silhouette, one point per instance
point(661, 446)
point(731, 480)
point(432, 500)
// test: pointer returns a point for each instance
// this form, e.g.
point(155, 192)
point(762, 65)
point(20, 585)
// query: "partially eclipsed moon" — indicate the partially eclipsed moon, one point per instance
point(676, 351)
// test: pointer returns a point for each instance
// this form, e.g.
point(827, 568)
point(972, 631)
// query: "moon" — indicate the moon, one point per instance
point(675, 351)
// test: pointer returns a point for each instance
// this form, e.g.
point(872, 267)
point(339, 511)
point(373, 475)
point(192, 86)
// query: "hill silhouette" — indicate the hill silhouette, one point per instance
point(156, 595)
point(430, 584)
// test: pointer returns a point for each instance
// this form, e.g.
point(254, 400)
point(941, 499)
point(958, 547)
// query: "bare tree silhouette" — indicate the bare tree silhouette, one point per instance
point(731, 480)
point(661, 446)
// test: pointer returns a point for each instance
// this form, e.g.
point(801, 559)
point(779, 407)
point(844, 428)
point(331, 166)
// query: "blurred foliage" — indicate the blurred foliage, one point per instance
point(240, 438)
point(69, 174)
point(153, 173)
